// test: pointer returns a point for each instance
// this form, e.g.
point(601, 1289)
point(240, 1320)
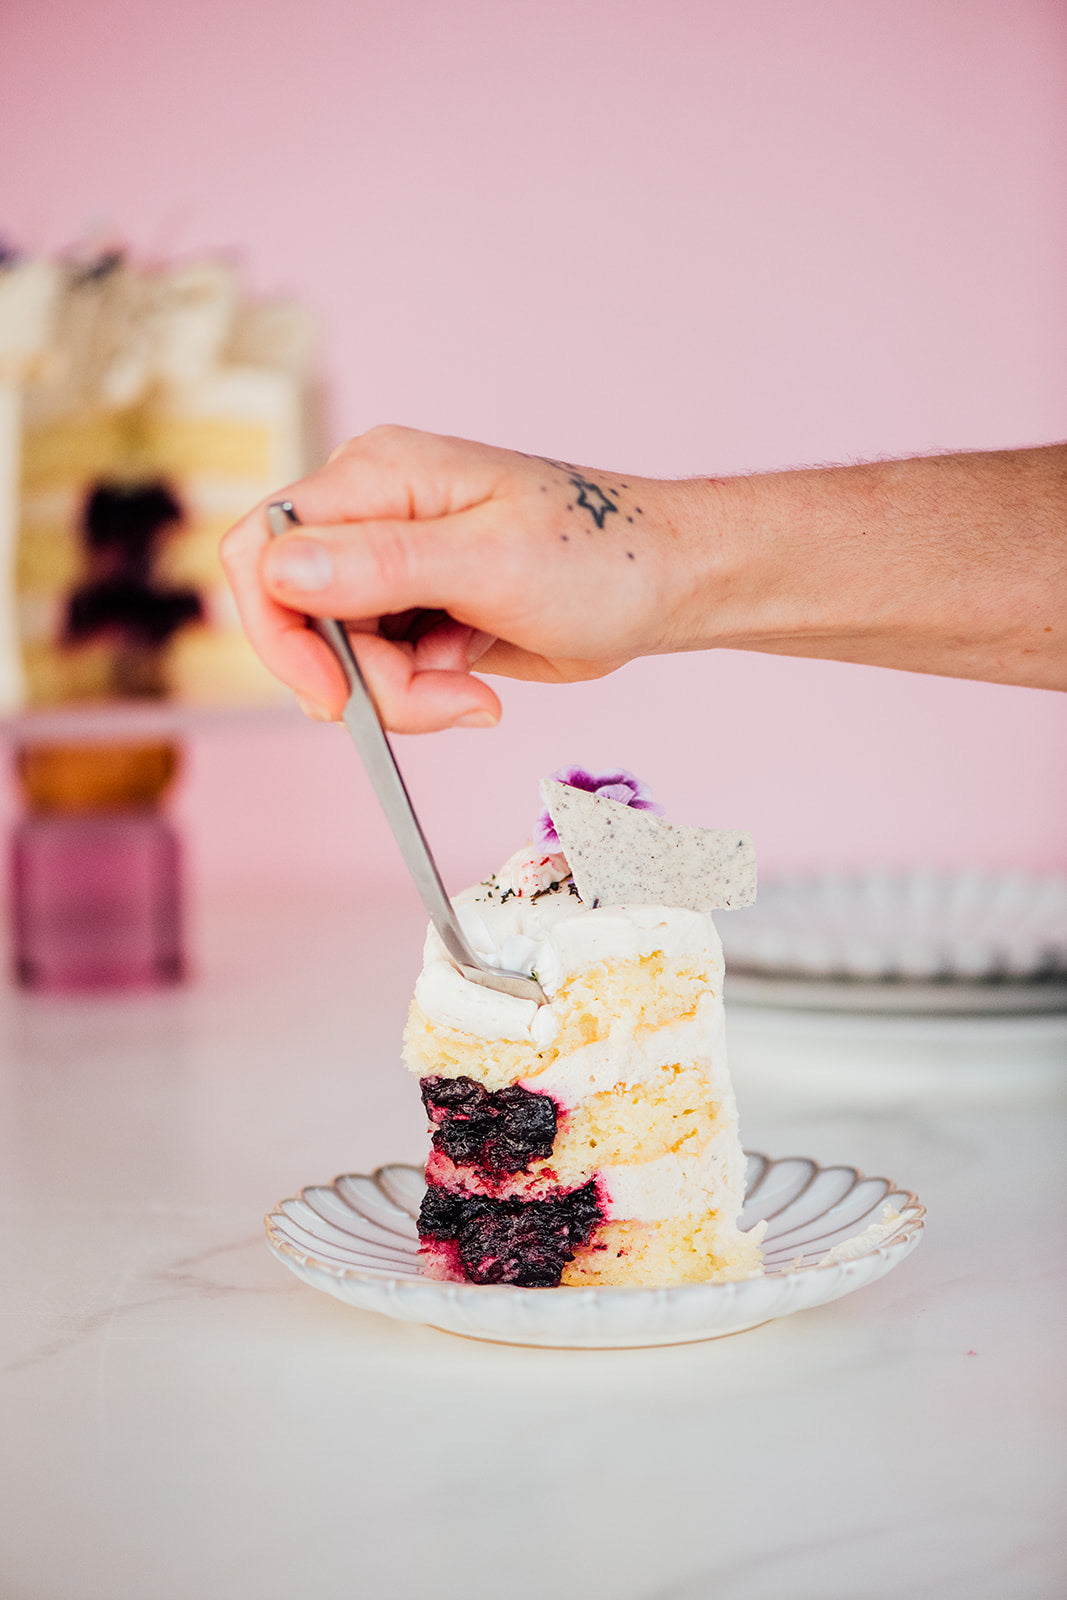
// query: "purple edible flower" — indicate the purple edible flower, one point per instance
point(618, 785)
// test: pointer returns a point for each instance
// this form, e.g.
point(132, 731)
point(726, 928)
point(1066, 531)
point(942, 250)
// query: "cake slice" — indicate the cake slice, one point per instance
point(592, 1139)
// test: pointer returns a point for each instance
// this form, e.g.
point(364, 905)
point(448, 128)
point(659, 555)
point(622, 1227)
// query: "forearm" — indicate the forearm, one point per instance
point(442, 554)
point(952, 564)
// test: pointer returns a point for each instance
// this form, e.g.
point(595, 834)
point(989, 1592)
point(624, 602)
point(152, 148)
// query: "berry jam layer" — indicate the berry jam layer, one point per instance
point(477, 1240)
point(500, 1131)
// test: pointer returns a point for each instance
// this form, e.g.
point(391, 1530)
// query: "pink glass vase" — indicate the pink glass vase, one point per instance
point(96, 901)
point(96, 868)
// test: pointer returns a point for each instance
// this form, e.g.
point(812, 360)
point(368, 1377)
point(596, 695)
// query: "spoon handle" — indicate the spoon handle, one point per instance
point(363, 722)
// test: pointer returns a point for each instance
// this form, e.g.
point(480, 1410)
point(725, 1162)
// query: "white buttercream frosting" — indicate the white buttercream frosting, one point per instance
point(552, 935)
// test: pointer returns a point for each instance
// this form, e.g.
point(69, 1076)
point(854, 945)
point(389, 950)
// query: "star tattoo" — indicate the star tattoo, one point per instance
point(591, 496)
point(593, 499)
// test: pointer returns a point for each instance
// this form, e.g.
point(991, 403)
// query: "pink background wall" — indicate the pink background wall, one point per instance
point(683, 237)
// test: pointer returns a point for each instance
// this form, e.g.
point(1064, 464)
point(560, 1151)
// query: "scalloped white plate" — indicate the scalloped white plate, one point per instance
point(907, 941)
point(828, 1232)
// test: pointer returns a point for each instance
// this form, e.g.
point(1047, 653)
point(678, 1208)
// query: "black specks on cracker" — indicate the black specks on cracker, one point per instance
point(620, 856)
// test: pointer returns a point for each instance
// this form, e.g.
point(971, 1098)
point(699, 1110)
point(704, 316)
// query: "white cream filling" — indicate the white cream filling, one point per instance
point(678, 1186)
point(627, 1058)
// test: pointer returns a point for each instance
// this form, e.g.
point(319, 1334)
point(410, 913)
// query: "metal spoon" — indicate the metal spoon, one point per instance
point(365, 725)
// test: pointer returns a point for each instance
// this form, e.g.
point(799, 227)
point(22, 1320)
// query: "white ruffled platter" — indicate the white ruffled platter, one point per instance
point(830, 1230)
point(960, 943)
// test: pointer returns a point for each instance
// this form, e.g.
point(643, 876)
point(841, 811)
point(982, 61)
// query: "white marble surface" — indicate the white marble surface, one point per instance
point(181, 1419)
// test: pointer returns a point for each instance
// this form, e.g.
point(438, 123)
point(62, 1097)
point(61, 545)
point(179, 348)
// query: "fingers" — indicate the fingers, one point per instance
point(279, 634)
point(384, 532)
point(373, 569)
point(450, 647)
point(389, 474)
point(414, 699)
point(401, 473)
point(418, 688)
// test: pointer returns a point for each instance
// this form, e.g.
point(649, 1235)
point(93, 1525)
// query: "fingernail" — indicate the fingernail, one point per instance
point(310, 709)
point(302, 564)
point(477, 645)
point(475, 719)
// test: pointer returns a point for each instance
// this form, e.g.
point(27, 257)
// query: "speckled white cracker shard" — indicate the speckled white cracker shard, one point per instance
point(620, 856)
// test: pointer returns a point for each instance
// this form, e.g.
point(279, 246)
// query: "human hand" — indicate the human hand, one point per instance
point(440, 554)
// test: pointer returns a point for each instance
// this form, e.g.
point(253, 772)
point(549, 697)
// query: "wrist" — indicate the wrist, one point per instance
point(720, 582)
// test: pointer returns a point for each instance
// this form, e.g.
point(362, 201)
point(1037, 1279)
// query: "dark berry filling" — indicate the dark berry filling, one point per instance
point(123, 530)
point(500, 1131)
point(526, 1242)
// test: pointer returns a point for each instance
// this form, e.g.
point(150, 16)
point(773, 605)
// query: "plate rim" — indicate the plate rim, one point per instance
point(907, 1231)
point(953, 998)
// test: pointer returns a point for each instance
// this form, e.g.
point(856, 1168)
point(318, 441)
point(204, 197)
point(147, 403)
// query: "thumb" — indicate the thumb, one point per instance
point(372, 569)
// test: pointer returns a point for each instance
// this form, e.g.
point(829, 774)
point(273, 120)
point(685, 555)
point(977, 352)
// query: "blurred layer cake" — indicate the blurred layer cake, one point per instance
point(592, 1139)
point(143, 408)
